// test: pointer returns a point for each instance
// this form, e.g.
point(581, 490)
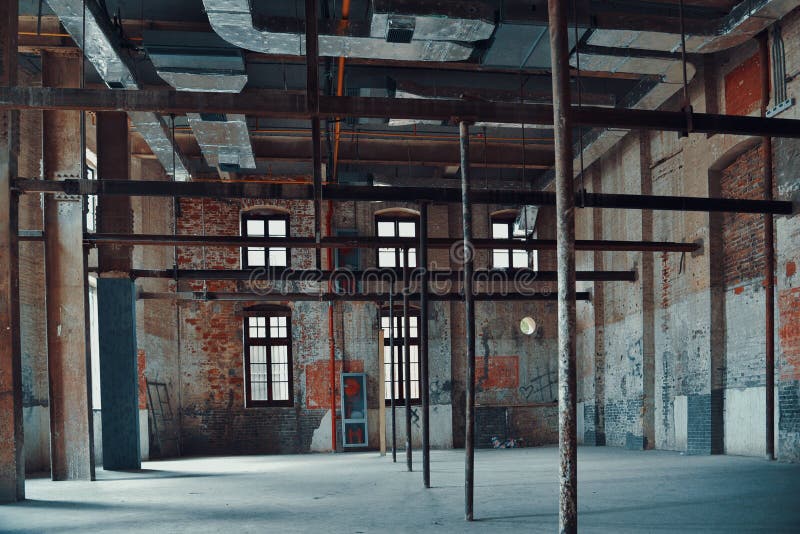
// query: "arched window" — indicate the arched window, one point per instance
point(399, 362)
point(265, 222)
point(502, 227)
point(396, 222)
point(268, 356)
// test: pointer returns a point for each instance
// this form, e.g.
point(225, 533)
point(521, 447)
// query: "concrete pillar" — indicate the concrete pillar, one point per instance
point(119, 385)
point(71, 455)
point(12, 460)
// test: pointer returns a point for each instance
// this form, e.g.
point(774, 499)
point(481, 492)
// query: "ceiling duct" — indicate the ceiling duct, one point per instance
point(224, 140)
point(745, 21)
point(196, 61)
point(101, 48)
point(191, 61)
point(400, 33)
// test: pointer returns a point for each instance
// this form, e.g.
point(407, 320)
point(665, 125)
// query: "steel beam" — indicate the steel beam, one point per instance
point(71, 448)
point(12, 457)
point(565, 255)
point(261, 190)
point(392, 375)
point(369, 242)
point(469, 318)
point(524, 276)
point(243, 296)
point(406, 359)
point(278, 104)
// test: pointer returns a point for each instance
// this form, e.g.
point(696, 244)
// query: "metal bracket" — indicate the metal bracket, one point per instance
point(779, 108)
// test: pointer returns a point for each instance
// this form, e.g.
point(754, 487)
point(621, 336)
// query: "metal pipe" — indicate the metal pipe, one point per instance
point(406, 360)
point(369, 242)
point(769, 256)
point(469, 314)
point(423, 345)
point(261, 190)
point(391, 374)
point(565, 254)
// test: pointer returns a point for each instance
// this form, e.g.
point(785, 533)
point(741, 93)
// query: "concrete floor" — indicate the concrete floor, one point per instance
point(619, 491)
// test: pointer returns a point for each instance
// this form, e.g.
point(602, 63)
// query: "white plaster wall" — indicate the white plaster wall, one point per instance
point(745, 416)
point(321, 439)
point(441, 424)
point(580, 425)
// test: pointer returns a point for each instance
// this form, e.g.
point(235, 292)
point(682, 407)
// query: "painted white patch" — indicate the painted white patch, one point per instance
point(321, 439)
point(441, 427)
point(36, 422)
point(745, 432)
point(680, 422)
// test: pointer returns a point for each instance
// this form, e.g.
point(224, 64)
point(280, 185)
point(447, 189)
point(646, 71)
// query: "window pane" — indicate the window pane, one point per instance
point(280, 391)
point(277, 257)
point(520, 258)
point(500, 231)
point(500, 259)
point(386, 257)
point(255, 228)
point(277, 228)
point(256, 257)
point(258, 391)
point(258, 355)
point(406, 229)
point(386, 229)
point(412, 257)
point(279, 355)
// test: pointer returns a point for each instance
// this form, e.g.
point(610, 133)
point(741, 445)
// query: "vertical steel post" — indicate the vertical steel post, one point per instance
point(769, 256)
point(565, 252)
point(406, 361)
point(469, 314)
point(12, 456)
point(392, 378)
point(423, 344)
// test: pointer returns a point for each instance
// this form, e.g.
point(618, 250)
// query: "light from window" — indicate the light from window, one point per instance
point(413, 358)
point(268, 361)
point(396, 227)
point(505, 258)
point(266, 226)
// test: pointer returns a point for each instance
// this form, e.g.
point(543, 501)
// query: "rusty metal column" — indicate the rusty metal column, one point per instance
point(469, 315)
point(565, 253)
point(423, 345)
point(114, 214)
point(406, 362)
point(769, 256)
point(12, 458)
point(71, 455)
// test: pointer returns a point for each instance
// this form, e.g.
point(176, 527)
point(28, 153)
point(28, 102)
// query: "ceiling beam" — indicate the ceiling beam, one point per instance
point(266, 190)
point(277, 104)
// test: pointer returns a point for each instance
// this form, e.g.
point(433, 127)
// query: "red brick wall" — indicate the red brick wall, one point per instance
point(743, 87)
point(743, 234)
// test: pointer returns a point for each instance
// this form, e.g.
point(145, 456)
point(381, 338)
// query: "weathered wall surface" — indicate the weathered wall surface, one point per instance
point(707, 320)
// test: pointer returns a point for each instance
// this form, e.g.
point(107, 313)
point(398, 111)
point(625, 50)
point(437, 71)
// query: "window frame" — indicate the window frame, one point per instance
point(396, 218)
point(268, 342)
point(266, 216)
point(507, 218)
point(398, 344)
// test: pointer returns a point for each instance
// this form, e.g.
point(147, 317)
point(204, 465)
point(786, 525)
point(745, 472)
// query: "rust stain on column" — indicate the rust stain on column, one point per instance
point(70, 410)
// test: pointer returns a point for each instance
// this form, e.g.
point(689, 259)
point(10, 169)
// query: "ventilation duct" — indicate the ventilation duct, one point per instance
point(224, 140)
point(418, 34)
point(101, 49)
point(745, 21)
point(195, 61)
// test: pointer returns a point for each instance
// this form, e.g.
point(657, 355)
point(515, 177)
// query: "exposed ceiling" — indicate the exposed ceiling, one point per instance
point(393, 48)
